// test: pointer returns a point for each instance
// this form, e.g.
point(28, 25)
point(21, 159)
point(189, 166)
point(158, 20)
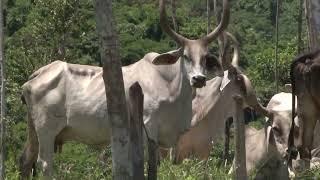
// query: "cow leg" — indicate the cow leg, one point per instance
point(305, 139)
point(307, 120)
point(46, 151)
point(27, 160)
point(30, 152)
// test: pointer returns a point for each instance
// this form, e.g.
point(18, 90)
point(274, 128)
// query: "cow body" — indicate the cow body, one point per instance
point(75, 96)
point(211, 107)
point(266, 148)
point(266, 163)
point(67, 102)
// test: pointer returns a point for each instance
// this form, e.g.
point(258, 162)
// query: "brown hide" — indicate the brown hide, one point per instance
point(305, 73)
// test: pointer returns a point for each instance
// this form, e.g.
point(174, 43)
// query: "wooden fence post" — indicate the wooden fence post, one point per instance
point(153, 160)
point(226, 155)
point(115, 93)
point(240, 151)
point(136, 135)
point(2, 95)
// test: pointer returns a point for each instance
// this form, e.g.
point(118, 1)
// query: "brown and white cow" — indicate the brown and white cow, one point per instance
point(212, 105)
point(67, 102)
point(305, 73)
point(266, 149)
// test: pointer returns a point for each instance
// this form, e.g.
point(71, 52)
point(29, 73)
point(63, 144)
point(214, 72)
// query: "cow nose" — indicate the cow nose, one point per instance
point(199, 79)
point(291, 153)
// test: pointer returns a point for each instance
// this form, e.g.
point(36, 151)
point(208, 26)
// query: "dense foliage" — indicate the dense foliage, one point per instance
point(40, 31)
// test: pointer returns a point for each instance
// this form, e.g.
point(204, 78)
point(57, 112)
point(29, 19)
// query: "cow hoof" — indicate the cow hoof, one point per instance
point(315, 163)
point(292, 175)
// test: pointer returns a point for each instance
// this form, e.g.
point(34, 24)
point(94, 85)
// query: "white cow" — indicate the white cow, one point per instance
point(211, 106)
point(266, 149)
point(67, 101)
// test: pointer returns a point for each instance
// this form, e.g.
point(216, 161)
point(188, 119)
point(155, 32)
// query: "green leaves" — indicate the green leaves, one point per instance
point(40, 31)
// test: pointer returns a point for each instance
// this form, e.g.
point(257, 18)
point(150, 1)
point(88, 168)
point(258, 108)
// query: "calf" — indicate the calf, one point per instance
point(266, 149)
point(212, 105)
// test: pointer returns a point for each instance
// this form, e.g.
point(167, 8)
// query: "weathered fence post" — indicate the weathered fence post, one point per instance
point(153, 159)
point(136, 135)
point(240, 150)
point(2, 95)
point(114, 86)
point(226, 155)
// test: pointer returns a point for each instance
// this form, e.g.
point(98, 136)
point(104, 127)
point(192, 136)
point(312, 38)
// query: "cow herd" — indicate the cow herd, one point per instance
point(183, 108)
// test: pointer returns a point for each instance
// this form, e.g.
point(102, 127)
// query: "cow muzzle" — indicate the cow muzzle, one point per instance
point(291, 153)
point(198, 81)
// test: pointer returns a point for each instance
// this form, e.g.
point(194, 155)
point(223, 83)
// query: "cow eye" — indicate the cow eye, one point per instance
point(276, 130)
point(211, 62)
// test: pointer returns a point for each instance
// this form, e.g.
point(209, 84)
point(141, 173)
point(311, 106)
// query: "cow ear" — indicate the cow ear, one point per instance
point(167, 58)
point(288, 88)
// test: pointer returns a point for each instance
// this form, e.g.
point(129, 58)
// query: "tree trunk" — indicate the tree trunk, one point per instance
point(312, 8)
point(276, 47)
point(116, 101)
point(221, 39)
point(208, 17)
point(300, 42)
point(226, 155)
point(174, 16)
point(2, 96)
point(240, 151)
point(153, 159)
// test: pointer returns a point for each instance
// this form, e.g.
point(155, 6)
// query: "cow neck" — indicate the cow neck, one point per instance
point(222, 104)
point(179, 85)
point(205, 100)
point(212, 106)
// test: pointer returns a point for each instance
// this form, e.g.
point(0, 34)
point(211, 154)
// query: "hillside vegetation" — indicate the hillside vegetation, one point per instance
point(41, 31)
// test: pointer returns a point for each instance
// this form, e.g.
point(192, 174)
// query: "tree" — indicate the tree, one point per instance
point(299, 40)
point(313, 21)
point(2, 95)
point(240, 149)
point(114, 86)
point(208, 16)
point(174, 14)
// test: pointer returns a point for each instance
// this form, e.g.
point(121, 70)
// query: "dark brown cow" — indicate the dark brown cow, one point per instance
point(305, 73)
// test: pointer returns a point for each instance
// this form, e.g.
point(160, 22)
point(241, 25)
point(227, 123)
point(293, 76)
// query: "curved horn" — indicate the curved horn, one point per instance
point(252, 100)
point(236, 48)
point(165, 25)
point(222, 25)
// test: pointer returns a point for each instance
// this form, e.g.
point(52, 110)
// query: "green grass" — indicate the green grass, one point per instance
point(79, 161)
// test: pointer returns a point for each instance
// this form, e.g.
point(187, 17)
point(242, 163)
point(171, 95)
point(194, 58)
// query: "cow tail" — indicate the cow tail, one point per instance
point(293, 90)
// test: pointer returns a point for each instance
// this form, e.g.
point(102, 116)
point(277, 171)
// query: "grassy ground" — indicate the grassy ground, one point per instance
point(82, 162)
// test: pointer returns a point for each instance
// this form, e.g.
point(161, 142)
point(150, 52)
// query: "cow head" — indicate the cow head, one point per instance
point(194, 53)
